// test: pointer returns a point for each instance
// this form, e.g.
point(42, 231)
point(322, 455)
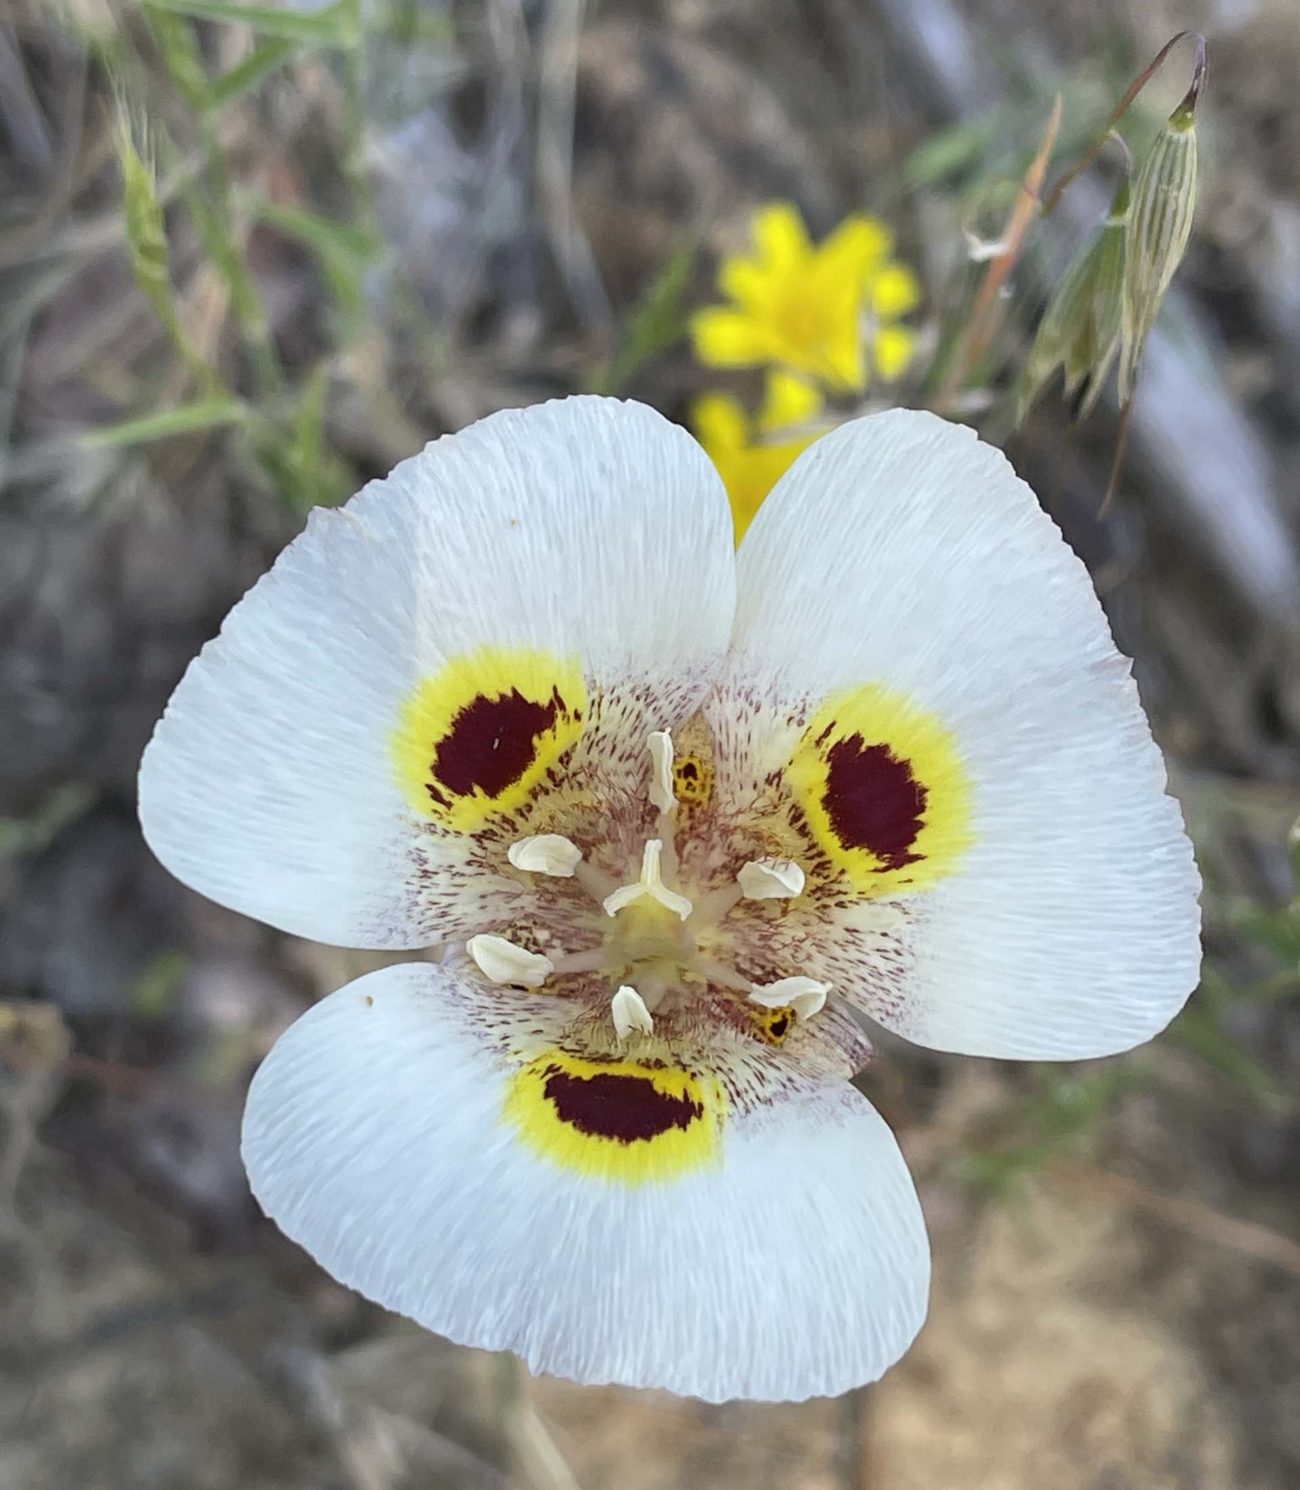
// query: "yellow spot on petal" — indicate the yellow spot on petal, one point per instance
point(884, 790)
point(478, 737)
point(772, 1025)
point(693, 779)
point(632, 1122)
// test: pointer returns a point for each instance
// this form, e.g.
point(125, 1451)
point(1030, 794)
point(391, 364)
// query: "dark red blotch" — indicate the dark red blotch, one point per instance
point(873, 801)
point(490, 744)
point(613, 1105)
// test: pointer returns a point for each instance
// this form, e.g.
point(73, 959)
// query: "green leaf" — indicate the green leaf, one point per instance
point(185, 419)
point(179, 47)
point(306, 449)
point(329, 237)
point(1275, 930)
point(213, 228)
point(34, 833)
point(657, 321)
point(948, 153)
point(260, 63)
point(342, 249)
point(335, 26)
point(1202, 1033)
point(153, 994)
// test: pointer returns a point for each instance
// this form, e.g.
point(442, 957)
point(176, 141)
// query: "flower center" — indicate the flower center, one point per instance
point(658, 946)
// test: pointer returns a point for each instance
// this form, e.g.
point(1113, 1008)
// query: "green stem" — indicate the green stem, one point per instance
point(1122, 108)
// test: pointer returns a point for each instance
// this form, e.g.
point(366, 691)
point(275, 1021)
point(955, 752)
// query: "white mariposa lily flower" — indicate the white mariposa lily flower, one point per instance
point(673, 812)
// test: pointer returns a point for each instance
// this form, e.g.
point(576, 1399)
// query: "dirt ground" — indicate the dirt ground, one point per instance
point(1117, 1247)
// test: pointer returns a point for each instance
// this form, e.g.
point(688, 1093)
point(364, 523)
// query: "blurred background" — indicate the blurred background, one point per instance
point(252, 256)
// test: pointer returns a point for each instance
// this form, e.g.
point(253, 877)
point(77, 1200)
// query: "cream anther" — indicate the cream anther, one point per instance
point(661, 771)
point(630, 1013)
point(505, 961)
point(806, 996)
point(650, 884)
point(546, 853)
point(771, 879)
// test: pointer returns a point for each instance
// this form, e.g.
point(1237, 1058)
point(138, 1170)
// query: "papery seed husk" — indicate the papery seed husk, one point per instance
point(1051, 342)
point(1107, 303)
point(1164, 201)
point(1081, 325)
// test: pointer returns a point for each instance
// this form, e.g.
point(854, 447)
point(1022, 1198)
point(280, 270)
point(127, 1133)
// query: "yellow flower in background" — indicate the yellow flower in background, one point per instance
point(749, 452)
point(827, 311)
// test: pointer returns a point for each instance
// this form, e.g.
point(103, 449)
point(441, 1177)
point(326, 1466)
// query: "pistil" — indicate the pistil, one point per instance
point(650, 884)
point(665, 958)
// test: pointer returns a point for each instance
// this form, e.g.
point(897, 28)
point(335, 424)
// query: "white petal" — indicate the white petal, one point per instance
point(587, 528)
point(902, 551)
point(796, 1266)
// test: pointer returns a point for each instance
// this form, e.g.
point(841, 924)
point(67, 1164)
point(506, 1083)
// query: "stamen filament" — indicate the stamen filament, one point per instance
point(594, 880)
point(652, 987)
point(716, 904)
point(722, 975)
point(588, 961)
point(667, 829)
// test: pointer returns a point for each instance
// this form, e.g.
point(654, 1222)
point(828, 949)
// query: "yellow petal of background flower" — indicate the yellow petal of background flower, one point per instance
point(859, 244)
point(780, 235)
point(730, 338)
point(892, 349)
point(894, 291)
point(787, 401)
point(750, 466)
point(720, 423)
point(749, 284)
point(805, 310)
point(846, 363)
